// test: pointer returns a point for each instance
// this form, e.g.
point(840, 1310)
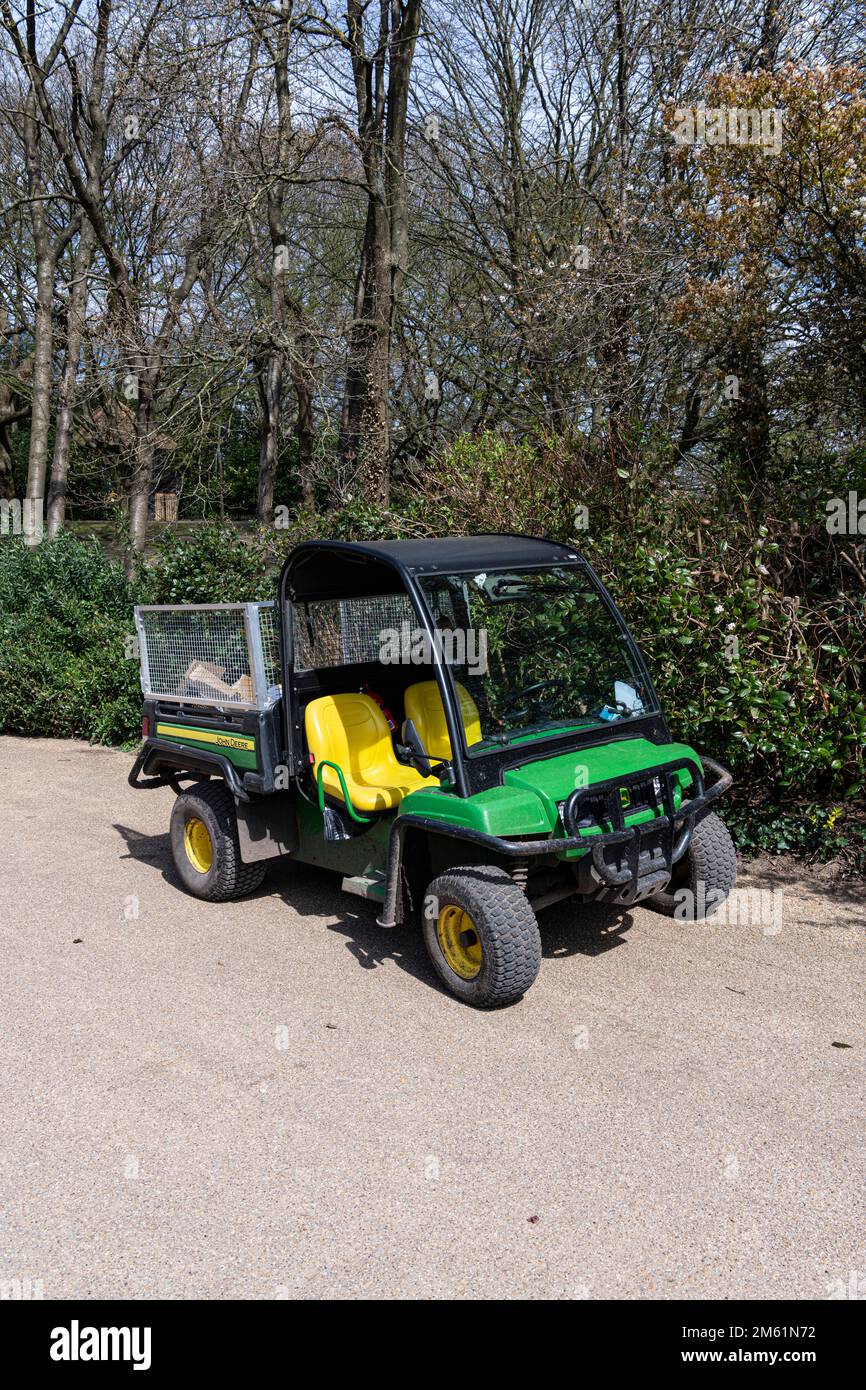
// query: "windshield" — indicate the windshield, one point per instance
point(536, 652)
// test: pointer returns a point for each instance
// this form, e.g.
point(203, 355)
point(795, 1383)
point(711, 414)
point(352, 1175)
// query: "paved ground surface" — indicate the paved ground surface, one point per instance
point(273, 1098)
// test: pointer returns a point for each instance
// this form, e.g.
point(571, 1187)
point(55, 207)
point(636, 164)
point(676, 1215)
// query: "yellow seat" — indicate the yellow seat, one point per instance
point(424, 707)
point(352, 731)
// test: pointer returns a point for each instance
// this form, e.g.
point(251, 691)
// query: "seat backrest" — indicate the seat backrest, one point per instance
point(350, 730)
point(423, 705)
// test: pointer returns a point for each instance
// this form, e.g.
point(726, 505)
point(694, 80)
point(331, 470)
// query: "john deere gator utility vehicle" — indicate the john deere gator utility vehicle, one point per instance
point(463, 729)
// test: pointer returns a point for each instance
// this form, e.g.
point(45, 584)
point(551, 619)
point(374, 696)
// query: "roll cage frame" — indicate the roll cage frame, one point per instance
point(470, 774)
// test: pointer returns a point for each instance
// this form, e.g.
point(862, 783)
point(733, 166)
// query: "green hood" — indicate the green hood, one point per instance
point(527, 802)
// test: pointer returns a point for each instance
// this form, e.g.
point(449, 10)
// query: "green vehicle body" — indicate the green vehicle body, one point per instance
point(528, 802)
point(526, 806)
point(600, 805)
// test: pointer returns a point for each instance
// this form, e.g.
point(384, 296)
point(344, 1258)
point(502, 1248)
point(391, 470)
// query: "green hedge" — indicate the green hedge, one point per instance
point(66, 669)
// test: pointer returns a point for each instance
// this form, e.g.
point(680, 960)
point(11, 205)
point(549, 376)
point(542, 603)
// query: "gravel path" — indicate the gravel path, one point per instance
point(273, 1098)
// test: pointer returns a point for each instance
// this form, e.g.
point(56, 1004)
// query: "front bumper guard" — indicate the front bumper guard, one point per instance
point(674, 824)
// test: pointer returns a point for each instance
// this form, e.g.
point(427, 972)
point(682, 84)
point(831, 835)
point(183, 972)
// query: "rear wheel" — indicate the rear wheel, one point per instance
point(205, 846)
point(481, 935)
point(704, 877)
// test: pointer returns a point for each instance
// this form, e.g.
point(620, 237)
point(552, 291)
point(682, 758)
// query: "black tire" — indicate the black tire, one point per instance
point(708, 869)
point(507, 932)
point(212, 805)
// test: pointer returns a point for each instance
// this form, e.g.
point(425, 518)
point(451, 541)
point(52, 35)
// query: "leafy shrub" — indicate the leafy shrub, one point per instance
point(837, 831)
point(746, 673)
point(216, 565)
point(486, 482)
point(66, 666)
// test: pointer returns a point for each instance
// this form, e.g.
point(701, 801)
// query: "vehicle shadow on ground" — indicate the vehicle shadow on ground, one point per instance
point(310, 892)
point(567, 928)
point(571, 928)
point(314, 892)
point(149, 849)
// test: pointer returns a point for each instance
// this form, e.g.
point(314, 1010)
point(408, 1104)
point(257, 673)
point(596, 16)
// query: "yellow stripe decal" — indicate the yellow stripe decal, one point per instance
point(207, 736)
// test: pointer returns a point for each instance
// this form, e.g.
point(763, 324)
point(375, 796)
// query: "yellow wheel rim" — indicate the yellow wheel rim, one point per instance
point(456, 934)
point(199, 850)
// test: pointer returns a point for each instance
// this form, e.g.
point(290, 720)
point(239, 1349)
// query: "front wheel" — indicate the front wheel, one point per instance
point(481, 935)
point(704, 877)
point(205, 846)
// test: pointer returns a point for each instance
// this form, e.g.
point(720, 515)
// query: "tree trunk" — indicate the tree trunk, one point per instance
point(304, 422)
point(750, 415)
point(350, 415)
point(270, 384)
point(142, 470)
point(7, 485)
point(43, 352)
point(69, 380)
point(43, 345)
point(365, 442)
point(374, 446)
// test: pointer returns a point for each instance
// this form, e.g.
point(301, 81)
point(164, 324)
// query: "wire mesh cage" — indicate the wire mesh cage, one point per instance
point(270, 638)
point(210, 653)
point(339, 632)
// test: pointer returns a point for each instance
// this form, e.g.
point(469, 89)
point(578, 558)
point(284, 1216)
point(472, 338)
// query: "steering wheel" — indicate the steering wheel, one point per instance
point(529, 693)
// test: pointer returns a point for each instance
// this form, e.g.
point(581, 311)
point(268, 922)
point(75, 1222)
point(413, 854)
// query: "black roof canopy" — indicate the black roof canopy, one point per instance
point(345, 568)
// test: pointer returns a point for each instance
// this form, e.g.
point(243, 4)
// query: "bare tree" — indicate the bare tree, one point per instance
point(336, 234)
point(50, 233)
point(284, 341)
point(380, 46)
point(177, 244)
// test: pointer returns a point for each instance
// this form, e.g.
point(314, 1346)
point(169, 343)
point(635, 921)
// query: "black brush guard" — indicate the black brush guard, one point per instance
point(672, 825)
point(631, 862)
